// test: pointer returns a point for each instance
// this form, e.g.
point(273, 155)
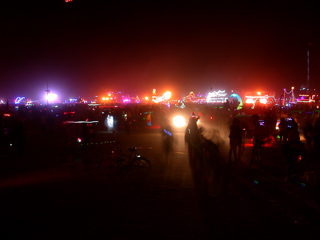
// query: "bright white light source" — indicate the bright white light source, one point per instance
point(179, 121)
point(109, 122)
point(167, 95)
point(51, 97)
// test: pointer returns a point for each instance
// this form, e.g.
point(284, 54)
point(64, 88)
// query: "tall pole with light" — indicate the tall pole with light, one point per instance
point(308, 71)
point(309, 45)
point(47, 91)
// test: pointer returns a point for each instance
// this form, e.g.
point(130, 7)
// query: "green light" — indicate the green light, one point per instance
point(303, 185)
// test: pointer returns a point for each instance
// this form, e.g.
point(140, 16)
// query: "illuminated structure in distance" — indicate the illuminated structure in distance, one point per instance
point(235, 101)
point(291, 100)
point(254, 98)
point(164, 98)
point(51, 97)
point(217, 97)
point(19, 100)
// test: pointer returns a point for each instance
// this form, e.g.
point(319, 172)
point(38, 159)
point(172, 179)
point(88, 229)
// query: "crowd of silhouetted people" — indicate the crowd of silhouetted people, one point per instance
point(285, 132)
point(296, 137)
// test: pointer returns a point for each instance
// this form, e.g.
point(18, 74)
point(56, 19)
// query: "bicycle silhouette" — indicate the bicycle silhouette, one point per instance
point(132, 162)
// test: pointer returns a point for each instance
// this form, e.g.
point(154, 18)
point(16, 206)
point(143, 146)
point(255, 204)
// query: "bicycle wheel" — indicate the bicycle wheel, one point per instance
point(141, 164)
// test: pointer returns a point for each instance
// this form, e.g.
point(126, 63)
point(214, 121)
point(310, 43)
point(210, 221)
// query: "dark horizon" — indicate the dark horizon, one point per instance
point(86, 48)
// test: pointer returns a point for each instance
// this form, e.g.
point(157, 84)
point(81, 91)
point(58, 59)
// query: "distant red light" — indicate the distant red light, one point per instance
point(68, 1)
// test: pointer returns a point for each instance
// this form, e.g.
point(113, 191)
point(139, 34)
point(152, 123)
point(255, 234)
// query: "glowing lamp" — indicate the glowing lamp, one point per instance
point(179, 121)
point(51, 97)
point(109, 122)
point(167, 95)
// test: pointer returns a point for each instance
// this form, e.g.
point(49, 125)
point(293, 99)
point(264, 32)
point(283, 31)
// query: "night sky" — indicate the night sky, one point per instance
point(87, 47)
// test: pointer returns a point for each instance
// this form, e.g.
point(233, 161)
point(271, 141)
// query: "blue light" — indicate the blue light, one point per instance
point(167, 132)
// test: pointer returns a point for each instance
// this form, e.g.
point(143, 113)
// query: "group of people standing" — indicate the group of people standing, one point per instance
point(293, 149)
point(287, 139)
point(259, 134)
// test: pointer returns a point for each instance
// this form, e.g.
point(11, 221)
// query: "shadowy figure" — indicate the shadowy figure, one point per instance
point(294, 149)
point(308, 131)
point(260, 133)
point(211, 180)
point(192, 136)
point(167, 140)
point(208, 149)
point(283, 130)
point(235, 140)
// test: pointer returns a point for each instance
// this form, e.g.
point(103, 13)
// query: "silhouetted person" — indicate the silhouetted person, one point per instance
point(259, 134)
point(294, 148)
point(283, 130)
point(235, 140)
point(192, 136)
point(167, 138)
point(308, 131)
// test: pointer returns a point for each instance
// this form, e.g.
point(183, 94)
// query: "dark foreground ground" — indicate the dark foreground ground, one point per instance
point(45, 195)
